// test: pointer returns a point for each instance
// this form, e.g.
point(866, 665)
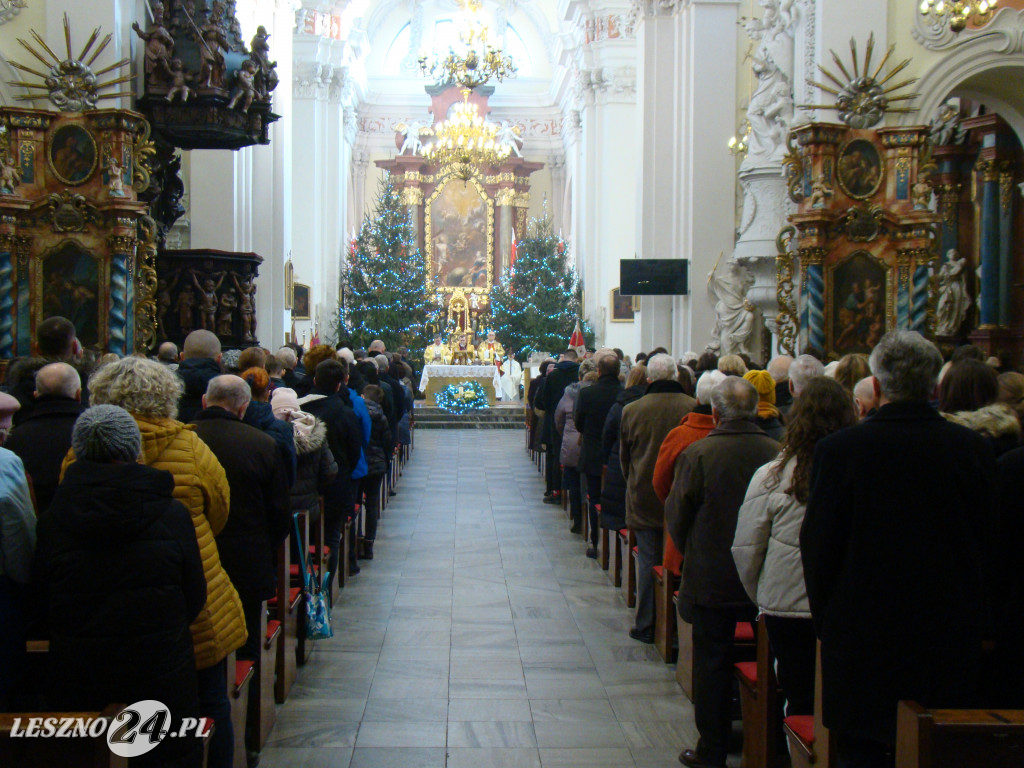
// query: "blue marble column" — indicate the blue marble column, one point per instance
point(812, 298)
point(118, 303)
point(6, 299)
point(989, 238)
point(919, 303)
point(903, 291)
point(1005, 242)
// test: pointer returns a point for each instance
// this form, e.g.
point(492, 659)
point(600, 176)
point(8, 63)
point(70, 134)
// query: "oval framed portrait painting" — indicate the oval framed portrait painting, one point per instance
point(72, 154)
point(860, 170)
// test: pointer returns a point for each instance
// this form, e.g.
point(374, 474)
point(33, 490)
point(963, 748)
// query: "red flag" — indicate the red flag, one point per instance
point(512, 252)
point(576, 341)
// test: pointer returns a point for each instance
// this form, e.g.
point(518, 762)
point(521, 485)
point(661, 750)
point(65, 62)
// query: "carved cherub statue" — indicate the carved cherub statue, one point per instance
point(10, 176)
point(207, 299)
point(508, 135)
point(820, 192)
point(179, 82)
point(412, 132)
point(115, 186)
point(245, 89)
point(921, 194)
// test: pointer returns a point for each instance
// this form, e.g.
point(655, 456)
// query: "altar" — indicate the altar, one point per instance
point(436, 377)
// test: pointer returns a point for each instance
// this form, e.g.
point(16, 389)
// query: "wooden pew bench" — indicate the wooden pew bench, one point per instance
point(807, 736)
point(666, 584)
point(759, 701)
point(22, 752)
point(958, 738)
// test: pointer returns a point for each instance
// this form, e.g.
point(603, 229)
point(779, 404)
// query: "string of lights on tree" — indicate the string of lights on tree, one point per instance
point(463, 397)
point(536, 303)
point(384, 291)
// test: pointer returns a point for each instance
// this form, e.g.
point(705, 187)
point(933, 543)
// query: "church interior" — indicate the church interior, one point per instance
point(504, 206)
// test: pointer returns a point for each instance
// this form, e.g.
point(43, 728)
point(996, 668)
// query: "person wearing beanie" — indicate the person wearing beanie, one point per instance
point(768, 416)
point(119, 578)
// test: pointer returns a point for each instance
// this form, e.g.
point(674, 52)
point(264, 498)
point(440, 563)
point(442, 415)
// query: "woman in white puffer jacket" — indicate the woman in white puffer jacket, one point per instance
point(766, 547)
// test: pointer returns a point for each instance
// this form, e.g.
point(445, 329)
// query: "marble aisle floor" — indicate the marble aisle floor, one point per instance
point(480, 636)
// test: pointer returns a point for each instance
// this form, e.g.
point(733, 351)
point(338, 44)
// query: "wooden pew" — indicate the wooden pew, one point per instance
point(240, 677)
point(958, 738)
point(666, 584)
point(808, 737)
point(759, 701)
point(57, 753)
point(605, 541)
point(284, 607)
point(262, 716)
point(315, 555)
point(616, 569)
point(684, 656)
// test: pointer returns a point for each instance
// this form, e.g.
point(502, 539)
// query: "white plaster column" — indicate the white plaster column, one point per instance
point(706, 168)
point(321, 151)
point(658, 187)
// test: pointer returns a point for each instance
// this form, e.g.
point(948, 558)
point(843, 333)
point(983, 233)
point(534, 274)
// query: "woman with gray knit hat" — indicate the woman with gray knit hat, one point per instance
point(120, 579)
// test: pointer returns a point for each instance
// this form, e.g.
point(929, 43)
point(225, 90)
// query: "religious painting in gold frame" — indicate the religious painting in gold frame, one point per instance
point(860, 169)
point(858, 303)
point(623, 308)
point(68, 281)
point(300, 302)
point(72, 154)
point(459, 235)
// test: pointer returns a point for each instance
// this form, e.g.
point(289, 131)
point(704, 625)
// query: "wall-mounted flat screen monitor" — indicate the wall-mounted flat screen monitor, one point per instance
point(654, 277)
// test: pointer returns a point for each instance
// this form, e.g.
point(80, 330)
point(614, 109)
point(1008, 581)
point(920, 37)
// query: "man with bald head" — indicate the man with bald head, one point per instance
point(200, 362)
point(167, 354)
point(865, 397)
point(260, 513)
point(42, 440)
point(710, 482)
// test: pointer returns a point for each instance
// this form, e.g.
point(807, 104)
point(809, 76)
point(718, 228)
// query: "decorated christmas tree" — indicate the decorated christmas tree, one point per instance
point(537, 301)
point(384, 292)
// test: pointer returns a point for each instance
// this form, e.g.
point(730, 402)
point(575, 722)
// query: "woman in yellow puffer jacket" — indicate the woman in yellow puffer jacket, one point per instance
point(150, 392)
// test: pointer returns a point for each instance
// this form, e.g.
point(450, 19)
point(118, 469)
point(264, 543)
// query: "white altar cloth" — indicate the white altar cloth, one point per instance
point(461, 372)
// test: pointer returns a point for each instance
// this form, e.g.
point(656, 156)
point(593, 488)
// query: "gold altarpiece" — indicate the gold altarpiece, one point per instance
point(464, 218)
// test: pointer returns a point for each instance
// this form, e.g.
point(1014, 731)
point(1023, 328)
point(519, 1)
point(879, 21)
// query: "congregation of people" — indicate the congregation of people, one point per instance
point(143, 503)
point(870, 505)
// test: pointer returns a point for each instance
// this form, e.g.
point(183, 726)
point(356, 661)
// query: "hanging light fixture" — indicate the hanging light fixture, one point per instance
point(477, 62)
point(959, 12)
point(466, 139)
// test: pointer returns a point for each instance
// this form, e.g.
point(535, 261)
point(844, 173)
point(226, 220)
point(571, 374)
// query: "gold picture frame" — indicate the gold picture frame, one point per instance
point(300, 302)
point(623, 309)
point(860, 168)
point(72, 154)
point(450, 175)
point(289, 284)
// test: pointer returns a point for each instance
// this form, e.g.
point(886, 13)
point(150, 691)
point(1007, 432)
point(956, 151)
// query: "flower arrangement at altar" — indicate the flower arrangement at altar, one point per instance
point(460, 398)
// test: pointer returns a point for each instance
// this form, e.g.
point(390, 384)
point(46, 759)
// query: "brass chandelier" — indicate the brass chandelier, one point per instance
point(959, 12)
point(479, 62)
point(466, 139)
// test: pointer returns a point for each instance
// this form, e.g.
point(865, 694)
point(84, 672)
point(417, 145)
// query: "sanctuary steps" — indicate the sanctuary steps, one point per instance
point(496, 417)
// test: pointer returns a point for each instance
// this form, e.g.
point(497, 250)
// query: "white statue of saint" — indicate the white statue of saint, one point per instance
point(412, 132)
point(508, 136)
point(770, 110)
point(734, 313)
point(954, 301)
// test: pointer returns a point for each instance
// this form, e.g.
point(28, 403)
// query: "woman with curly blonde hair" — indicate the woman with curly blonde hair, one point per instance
point(150, 392)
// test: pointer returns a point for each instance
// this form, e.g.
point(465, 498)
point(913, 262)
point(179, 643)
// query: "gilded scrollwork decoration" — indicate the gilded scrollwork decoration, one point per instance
point(146, 284)
point(787, 324)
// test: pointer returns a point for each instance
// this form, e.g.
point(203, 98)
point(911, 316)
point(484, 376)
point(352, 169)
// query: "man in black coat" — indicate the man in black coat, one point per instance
point(260, 515)
point(329, 401)
point(560, 376)
point(120, 578)
point(893, 545)
point(200, 362)
point(592, 406)
point(42, 440)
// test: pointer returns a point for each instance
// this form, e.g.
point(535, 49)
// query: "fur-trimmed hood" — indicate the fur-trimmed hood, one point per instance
point(309, 442)
point(995, 420)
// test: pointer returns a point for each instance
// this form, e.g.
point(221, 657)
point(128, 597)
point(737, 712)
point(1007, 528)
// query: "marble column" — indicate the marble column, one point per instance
point(989, 256)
